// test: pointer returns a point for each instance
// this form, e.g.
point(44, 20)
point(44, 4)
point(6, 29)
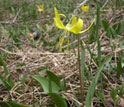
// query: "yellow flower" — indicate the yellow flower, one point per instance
point(85, 8)
point(40, 8)
point(75, 26)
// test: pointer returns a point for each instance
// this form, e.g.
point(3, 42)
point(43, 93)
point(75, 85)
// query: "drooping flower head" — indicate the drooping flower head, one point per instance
point(75, 26)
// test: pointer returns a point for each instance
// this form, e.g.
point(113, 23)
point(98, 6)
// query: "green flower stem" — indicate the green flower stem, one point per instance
point(79, 65)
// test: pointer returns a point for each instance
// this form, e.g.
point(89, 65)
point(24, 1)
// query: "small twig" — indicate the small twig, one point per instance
point(83, 3)
point(14, 20)
point(34, 53)
point(23, 43)
point(104, 4)
point(9, 52)
point(7, 22)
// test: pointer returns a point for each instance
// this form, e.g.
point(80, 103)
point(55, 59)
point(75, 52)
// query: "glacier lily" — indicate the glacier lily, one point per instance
point(85, 8)
point(40, 8)
point(75, 26)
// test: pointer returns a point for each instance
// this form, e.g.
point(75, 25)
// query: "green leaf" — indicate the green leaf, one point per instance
point(5, 83)
point(55, 79)
point(4, 65)
point(10, 104)
point(121, 92)
point(92, 87)
point(5, 32)
point(47, 85)
point(113, 94)
point(101, 96)
point(2, 81)
point(105, 25)
point(119, 69)
point(121, 26)
point(119, 3)
point(58, 100)
point(113, 33)
point(92, 36)
point(10, 81)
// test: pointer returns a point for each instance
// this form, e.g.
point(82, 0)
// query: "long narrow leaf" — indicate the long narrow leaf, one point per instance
point(55, 79)
point(92, 87)
point(4, 65)
point(119, 69)
point(45, 84)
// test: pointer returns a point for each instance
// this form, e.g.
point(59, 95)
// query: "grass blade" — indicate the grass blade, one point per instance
point(4, 65)
point(119, 69)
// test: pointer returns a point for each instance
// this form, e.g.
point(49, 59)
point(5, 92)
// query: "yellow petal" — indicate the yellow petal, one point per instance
point(85, 8)
point(61, 44)
point(74, 20)
point(75, 26)
point(40, 8)
point(57, 21)
point(88, 27)
point(62, 15)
